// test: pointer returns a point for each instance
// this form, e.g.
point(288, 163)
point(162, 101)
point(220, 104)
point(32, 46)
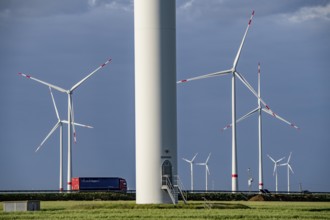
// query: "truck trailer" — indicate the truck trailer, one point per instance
point(99, 184)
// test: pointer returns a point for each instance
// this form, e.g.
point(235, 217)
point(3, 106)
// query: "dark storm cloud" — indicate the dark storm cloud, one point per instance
point(73, 28)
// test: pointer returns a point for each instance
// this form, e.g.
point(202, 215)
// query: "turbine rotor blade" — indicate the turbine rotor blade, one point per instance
point(220, 73)
point(207, 169)
point(77, 124)
point(247, 115)
point(290, 168)
point(89, 75)
point(207, 160)
point(289, 158)
point(280, 160)
point(56, 111)
point(271, 158)
point(45, 83)
point(82, 125)
point(247, 84)
point(242, 118)
point(73, 123)
point(259, 86)
point(186, 160)
point(48, 135)
point(227, 126)
point(242, 42)
point(275, 167)
point(280, 118)
point(192, 160)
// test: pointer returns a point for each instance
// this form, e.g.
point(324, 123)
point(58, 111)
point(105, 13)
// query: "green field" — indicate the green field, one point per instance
point(194, 210)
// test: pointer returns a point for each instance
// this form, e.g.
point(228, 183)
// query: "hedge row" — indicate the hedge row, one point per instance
point(190, 196)
point(302, 197)
point(67, 196)
point(266, 197)
point(217, 196)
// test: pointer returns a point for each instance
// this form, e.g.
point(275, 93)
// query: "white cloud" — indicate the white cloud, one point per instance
point(120, 6)
point(92, 3)
point(125, 5)
point(310, 13)
point(187, 5)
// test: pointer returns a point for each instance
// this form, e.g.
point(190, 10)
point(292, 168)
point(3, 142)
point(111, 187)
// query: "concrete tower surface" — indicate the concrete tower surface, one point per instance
point(155, 99)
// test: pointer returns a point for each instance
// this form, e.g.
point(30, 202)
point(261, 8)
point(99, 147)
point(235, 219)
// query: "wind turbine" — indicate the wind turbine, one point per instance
point(191, 162)
point(69, 92)
point(276, 164)
point(59, 124)
point(234, 73)
point(259, 110)
point(289, 169)
point(250, 179)
point(207, 171)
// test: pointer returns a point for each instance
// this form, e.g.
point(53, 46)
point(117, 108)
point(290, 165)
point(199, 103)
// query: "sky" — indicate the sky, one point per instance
point(60, 42)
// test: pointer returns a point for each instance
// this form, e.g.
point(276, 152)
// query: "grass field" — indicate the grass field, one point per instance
point(194, 210)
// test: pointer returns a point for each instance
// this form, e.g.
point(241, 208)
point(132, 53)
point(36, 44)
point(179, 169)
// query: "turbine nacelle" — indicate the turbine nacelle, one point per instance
point(288, 163)
point(276, 163)
point(59, 122)
point(190, 161)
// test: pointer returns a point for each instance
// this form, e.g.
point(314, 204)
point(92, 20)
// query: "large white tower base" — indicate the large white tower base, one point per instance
point(155, 100)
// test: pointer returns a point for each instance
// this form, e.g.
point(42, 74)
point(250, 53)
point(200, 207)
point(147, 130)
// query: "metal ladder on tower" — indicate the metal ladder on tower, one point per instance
point(173, 189)
point(181, 189)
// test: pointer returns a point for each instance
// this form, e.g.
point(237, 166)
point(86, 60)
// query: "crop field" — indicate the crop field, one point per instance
point(193, 210)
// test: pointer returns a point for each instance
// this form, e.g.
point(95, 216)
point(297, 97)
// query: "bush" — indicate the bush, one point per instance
point(217, 196)
point(191, 196)
point(67, 196)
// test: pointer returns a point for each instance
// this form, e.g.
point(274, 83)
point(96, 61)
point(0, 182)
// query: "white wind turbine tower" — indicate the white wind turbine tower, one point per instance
point(59, 124)
point(234, 74)
point(191, 162)
point(289, 169)
point(258, 110)
point(207, 171)
point(276, 164)
point(70, 114)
